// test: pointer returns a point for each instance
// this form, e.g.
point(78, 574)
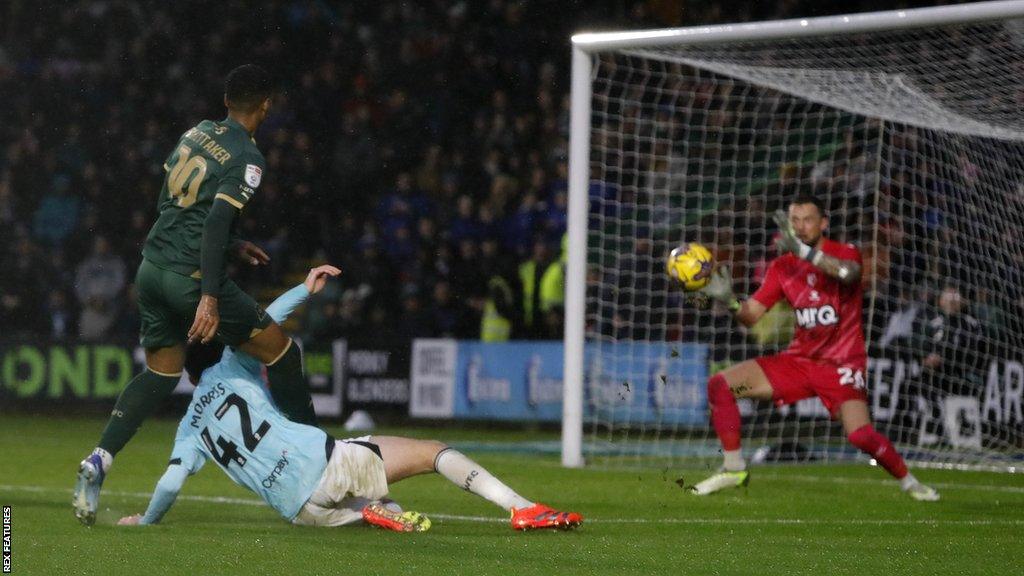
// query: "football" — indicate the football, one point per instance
point(691, 265)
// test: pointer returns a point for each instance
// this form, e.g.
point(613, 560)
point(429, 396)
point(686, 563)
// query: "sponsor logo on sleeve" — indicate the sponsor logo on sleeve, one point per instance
point(253, 174)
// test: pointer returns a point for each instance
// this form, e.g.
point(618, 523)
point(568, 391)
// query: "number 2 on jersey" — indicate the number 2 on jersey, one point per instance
point(189, 170)
point(228, 451)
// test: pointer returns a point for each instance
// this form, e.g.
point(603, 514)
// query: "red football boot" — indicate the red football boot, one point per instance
point(541, 516)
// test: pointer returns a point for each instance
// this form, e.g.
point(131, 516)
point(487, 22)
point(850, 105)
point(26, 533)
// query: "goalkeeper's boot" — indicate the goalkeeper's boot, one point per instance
point(86, 497)
point(724, 479)
point(379, 514)
point(541, 516)
point(921, 493)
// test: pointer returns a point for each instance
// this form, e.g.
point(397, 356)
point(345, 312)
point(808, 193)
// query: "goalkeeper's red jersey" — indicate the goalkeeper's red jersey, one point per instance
point(828, 314)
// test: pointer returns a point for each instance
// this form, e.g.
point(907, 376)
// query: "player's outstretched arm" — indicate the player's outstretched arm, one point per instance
point(317, 277)
point(281, 308)
point(750, 312)
point(163, 497)
point(846, 271)
point(720, 288)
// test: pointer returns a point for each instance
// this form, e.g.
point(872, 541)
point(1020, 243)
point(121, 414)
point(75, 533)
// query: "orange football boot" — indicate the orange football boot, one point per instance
point(541, 516)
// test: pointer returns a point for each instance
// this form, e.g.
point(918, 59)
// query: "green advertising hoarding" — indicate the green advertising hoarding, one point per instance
point(57, 371)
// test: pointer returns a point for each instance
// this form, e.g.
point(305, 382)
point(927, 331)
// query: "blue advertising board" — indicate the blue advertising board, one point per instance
point(509, 381)
point(646, 383)
point(639, 382)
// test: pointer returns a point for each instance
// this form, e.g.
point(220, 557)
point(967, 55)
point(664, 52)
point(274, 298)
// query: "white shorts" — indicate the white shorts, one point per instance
point(354, 477)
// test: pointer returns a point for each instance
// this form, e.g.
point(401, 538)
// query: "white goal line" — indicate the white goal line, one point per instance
point(760, 521)
point(677, 472)
point(588, 520)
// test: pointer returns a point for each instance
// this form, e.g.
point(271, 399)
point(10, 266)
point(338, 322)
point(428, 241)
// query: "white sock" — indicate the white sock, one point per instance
point(470, 476)
point(105, 457)
point(907, 481)
point(734, 461)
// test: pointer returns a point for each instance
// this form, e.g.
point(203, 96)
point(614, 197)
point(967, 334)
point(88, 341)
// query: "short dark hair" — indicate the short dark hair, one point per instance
point(199, 357)
point(808, 198)
point(247, 86)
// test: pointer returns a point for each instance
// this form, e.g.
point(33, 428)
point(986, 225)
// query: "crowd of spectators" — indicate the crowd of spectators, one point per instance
point(420, 146)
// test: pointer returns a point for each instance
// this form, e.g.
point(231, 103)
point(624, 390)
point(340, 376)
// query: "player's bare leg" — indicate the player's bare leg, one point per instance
point(405, 457)
point(744, 380)
point(283, 358)
point(861, 433)
point(137, 401)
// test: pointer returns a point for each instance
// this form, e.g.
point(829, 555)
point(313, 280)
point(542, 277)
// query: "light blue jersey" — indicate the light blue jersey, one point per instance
point(233, 421)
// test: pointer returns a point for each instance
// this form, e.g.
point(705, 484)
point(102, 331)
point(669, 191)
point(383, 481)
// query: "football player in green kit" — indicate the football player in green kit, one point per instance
point(183, 294)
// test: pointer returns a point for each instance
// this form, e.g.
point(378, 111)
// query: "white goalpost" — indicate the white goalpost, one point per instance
point(908, 124)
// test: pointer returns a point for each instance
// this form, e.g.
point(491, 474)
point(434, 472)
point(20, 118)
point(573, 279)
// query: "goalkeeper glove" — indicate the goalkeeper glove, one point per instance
point(720, 288)
point(788, 242)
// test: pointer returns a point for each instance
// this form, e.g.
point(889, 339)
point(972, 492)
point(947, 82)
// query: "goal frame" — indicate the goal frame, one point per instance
point(585, 45)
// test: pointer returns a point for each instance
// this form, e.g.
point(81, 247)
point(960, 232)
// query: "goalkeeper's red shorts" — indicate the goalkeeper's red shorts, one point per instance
point(794, 378)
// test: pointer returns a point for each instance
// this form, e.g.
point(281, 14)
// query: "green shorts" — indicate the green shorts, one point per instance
point(168, 301)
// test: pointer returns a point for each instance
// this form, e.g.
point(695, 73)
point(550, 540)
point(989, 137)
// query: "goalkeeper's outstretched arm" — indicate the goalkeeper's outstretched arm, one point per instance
point(846, 271)
point(719, 288)
point(750, 312)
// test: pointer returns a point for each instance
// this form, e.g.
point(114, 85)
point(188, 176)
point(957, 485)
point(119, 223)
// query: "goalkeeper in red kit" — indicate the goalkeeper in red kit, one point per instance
point(821, 280)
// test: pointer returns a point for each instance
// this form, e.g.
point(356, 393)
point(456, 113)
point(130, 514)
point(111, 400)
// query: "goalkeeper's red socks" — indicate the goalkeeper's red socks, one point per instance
point(725, 414)
point(725, 417)
point(878, 447)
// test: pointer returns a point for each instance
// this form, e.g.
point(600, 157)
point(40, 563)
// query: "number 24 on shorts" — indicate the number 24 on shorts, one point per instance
point(850, 377)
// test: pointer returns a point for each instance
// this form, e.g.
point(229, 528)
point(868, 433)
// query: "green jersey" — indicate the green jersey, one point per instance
point(213, 160)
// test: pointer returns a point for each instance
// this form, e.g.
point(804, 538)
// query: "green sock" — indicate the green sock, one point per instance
point(288, 387)
point(137, 401)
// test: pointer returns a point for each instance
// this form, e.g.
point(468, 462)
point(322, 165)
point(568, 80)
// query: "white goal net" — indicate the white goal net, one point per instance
point(909, 126)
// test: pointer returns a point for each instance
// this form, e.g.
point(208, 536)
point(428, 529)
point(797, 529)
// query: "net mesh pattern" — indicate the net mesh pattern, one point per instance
point(914, 139)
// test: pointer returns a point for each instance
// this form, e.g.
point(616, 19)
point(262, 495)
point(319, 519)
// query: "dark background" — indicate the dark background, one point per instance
point(420, 146)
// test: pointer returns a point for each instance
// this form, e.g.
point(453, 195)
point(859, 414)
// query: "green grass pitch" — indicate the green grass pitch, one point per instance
point(839, 519)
